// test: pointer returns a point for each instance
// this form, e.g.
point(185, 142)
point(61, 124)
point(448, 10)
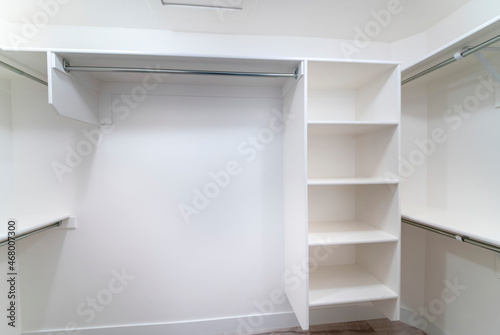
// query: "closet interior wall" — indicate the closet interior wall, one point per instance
point(6, 166)
point(127, 184)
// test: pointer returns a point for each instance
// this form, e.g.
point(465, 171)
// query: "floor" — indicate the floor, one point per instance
point(368, 327)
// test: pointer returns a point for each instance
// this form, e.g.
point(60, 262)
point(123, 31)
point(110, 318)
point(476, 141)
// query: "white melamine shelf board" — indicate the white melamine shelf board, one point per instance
point(476, 227)
point(33, 63)
point(26, 224)
point(472, 38)
point(346, 232)
point(349, 127)
point(350, 181)
point(344, 76)
point(185, 63)
point(345, 284)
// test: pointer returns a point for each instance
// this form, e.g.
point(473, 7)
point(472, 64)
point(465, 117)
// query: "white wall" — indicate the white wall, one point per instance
point(5, 147)
point(126, 194)
point(459, 174)
point(6, 197)
point(149, 41)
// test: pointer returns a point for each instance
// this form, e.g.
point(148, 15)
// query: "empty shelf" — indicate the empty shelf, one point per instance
point(345, 284)
point(350, 181)
point(475, 227)
point(346, 232)
point(348, 127)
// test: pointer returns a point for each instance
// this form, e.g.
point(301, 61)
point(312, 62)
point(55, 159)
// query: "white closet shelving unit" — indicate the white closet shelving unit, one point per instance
point(353, 196)
point(340, 159)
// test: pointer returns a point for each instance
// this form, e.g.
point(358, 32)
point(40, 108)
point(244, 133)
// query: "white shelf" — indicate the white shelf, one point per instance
point(27, 224)
point(345, 284)
point(327, 75)
point(348, 127)
point(350, 181)
point(476, 227)
point(346, 232)
point(472, 38)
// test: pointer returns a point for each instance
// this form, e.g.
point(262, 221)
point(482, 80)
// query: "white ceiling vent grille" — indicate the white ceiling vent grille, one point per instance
point(226, 4)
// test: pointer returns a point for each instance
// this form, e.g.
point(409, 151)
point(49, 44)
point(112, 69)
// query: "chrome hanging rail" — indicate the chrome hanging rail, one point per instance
point(459, 237)
point(69, 68)
point(22, 73)
point(31, 232)
point(456, 56)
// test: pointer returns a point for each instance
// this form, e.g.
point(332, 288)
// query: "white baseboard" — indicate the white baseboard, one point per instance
point(233, 325)
point(243, 325)
point(409, 317)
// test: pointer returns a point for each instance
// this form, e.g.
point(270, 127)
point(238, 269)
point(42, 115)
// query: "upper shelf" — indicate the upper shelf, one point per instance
point(350, 181)
point(324, 75)
point(475, 37)
point(475, 227)
point(81, 96)
point(184, 63)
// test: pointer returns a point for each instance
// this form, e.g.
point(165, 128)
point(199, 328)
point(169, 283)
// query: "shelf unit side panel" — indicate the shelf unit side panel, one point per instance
point(378, 100)
point(72, 95)
point(331, 156)
point(331, 105)
point(377, 154)
point(390, 308)
point(295, 201)
point(378, 205)
point(332, 203)
point(381, 260)
point(330, 255)
point(6, 152)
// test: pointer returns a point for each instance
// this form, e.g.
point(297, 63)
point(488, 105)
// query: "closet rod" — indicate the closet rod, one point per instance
point(22, 73)
point(457, 56)
point(32, 232)
point(68, 68)
point(459, 237)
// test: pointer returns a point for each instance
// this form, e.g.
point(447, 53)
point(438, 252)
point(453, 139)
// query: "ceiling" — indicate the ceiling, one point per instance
point(312, 18)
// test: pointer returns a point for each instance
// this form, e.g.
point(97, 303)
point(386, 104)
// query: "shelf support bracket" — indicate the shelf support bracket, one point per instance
point(487, 65)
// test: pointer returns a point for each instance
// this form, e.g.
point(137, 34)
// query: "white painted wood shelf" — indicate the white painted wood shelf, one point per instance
point(476, 227)
point(350, 181)
point(346, 232)
point(30, 224)
point(348, 127)
point(345, 284)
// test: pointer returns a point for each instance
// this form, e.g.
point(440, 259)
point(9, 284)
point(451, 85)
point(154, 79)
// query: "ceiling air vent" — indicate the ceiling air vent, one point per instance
point(227, 4)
